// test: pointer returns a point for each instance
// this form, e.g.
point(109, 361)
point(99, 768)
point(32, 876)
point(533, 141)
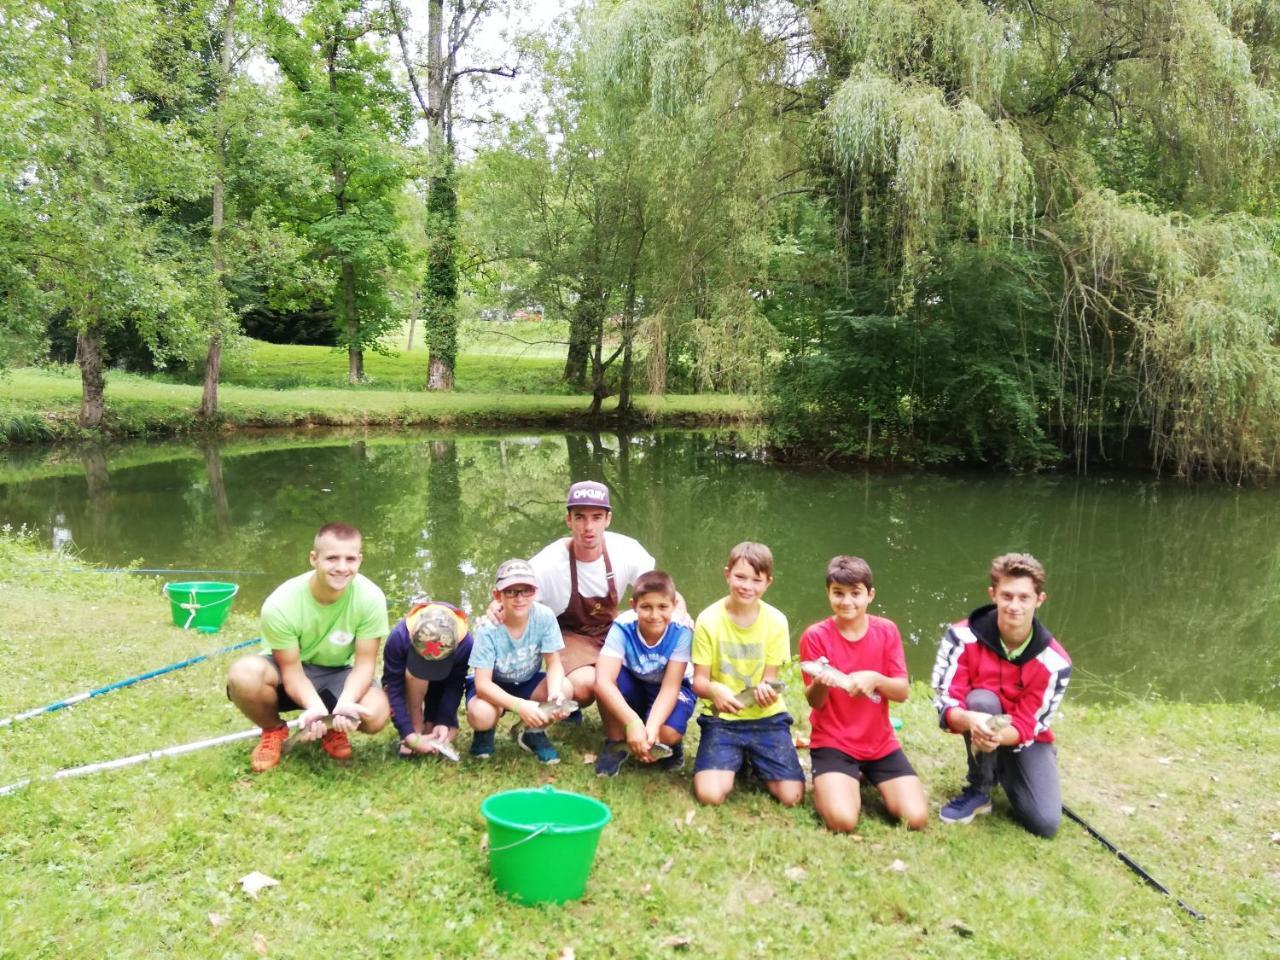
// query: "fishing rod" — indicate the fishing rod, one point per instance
point(136, 759)
point(119, 684)
point(243, 573)
point(1128, 862)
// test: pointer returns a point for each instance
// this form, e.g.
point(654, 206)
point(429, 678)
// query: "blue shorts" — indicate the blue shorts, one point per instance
point(522, 690)
point(640, 696)
point(764, 744)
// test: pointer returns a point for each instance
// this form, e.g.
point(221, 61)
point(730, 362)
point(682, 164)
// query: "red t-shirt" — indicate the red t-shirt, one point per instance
point(856, 725)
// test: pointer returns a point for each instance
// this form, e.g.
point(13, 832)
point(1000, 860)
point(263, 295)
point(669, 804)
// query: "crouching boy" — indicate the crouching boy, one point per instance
point(998, 680)
point(424, 666)
point(641, 688)
point(739, 643)
point(852, 737)
point(506, 657)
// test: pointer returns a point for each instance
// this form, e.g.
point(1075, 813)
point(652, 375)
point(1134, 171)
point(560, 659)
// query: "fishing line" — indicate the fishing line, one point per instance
point(136, 759)
point(1129, 862)
point(120, 684)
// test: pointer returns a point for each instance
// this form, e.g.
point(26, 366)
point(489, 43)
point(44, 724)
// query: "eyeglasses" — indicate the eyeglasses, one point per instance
point(515, 593)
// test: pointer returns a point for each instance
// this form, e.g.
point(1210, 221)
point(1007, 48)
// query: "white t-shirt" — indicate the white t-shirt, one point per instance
point(551, 567)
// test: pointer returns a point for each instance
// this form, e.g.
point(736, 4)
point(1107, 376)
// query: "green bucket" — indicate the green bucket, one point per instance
point(200, 605)
point(542, 842)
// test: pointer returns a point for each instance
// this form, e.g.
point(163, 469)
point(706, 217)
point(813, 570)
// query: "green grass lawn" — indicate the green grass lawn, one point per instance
point(383, 858)
point(43, 404)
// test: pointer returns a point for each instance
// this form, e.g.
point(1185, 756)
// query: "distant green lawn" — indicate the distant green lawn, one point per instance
point(493, 358)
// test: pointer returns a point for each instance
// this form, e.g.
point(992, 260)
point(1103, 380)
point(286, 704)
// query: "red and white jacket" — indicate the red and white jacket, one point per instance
point(1030, 686)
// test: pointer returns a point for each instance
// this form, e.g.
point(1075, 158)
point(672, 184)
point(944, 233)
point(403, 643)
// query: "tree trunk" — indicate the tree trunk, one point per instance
point(351, 322)
point(89, 356)
point(213, 360)
point(440, 299)
point(440, 296)
point(581, 326)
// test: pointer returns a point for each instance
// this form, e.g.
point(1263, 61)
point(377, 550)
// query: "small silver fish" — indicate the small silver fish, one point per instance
point(445, 749)
point(996, 722)
point(747, 695)
point(659, 751)
point(820, 668)
point(548, 707)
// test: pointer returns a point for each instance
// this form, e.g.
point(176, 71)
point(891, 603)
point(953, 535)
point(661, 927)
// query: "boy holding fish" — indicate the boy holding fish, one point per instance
point(641, 689)
point(505, 657)
point(998, 679)
point(739, 643)
point(424, 667)
point(853, 665)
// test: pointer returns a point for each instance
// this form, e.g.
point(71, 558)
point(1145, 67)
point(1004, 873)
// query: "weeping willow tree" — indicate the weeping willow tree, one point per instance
point(707, 132)
point(1073, 198)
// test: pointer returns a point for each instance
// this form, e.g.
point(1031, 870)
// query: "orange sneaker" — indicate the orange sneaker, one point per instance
point(336, 744)
point(267, 753)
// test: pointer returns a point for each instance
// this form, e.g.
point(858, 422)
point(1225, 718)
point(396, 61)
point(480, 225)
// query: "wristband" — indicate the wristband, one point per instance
point(634, 720)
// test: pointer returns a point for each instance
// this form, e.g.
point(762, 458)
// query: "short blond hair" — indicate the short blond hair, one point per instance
point(757, 555)
point(1018, 565)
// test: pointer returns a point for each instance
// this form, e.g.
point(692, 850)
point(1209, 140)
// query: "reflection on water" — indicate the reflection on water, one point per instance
point(1153, 587)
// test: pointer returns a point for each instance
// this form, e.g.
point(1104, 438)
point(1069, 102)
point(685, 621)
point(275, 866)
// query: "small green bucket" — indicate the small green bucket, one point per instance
point(200, 605)
point(542, 842)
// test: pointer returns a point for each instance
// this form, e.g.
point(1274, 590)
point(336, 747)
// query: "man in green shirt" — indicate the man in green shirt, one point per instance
point(320, 631)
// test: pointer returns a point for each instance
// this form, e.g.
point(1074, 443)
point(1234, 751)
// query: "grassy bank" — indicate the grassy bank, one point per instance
point(43, 404)
point(385, 859)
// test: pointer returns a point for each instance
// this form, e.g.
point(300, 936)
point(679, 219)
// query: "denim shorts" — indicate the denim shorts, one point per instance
point(764, 744)
point(522, 690)
point(640, 696)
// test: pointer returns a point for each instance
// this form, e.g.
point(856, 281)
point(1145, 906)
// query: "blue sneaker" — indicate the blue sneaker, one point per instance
point(574, 719)
point(536, 742)
point(612, 755)
point(962, 809)
point(482, 744)
point(675, 761)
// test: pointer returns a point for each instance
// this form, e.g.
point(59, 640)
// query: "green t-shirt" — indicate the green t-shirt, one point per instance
point(737, 657)
point(326, 636)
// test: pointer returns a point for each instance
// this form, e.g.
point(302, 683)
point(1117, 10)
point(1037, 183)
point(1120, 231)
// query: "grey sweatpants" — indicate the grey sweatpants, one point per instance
point(1029, 776)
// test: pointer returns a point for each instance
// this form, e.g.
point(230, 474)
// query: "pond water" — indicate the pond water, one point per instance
point(1155, 587)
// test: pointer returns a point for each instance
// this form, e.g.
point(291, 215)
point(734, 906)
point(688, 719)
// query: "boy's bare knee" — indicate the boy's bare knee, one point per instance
point(840, 821)
point(710, 797)
point(789, 793)
point(247, 676)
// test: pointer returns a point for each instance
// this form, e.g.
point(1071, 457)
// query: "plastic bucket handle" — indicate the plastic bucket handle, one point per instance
point(193, 608)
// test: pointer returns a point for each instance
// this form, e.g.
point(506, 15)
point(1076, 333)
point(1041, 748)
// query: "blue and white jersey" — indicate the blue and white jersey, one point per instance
point(515, 661)
point(645, 662)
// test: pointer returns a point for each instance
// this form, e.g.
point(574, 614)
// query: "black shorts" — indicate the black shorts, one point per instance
point(889, 767)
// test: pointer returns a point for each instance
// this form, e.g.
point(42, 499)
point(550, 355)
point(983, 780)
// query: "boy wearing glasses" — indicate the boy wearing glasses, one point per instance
point(506, 658)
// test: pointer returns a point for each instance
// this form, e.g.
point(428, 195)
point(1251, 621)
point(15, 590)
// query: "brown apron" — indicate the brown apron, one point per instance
point(586, 620)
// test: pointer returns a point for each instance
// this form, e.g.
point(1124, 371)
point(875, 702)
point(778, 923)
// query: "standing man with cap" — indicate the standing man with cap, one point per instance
point(423, 669)
point(320, 634)
point(583, 577)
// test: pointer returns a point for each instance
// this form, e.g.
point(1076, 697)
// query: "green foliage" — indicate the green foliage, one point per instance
point(965, 376)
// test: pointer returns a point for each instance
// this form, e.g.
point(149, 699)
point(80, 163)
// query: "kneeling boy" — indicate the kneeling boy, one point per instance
point(505, 657)
point(998, 680)
point(738, 645)
point(852, 737)
point(640, 683)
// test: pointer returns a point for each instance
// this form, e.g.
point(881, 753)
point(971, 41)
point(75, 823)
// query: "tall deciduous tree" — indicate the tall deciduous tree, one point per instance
point(451, 24)
point(356, 122)
point(92, 172)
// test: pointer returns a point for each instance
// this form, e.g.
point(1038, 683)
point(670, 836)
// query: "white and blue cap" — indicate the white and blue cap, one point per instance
point(588, 493)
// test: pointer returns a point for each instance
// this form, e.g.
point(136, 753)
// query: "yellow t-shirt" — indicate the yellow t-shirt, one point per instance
point(737, 657)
